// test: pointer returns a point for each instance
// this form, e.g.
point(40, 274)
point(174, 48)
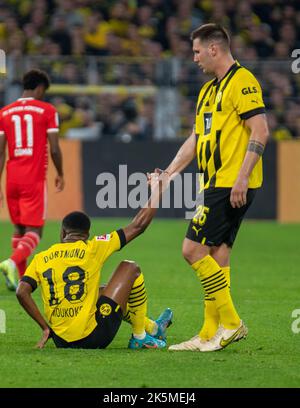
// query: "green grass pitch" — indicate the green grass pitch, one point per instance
point(265, 288)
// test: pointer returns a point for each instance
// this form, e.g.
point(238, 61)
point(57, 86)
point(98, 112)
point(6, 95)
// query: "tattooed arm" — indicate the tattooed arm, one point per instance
point(258, 139)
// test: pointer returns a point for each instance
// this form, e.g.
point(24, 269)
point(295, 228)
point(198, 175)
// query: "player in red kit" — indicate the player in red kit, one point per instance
point(26, 126)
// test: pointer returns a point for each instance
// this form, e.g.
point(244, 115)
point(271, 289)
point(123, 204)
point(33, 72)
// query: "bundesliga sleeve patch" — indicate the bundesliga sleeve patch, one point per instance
point(105, 237)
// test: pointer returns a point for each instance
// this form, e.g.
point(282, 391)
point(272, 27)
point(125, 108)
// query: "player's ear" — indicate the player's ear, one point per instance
point(62, 233)
point(40, 91)
point(212, 50)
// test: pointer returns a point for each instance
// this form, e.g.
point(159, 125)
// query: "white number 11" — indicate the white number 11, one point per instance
point(18, 130)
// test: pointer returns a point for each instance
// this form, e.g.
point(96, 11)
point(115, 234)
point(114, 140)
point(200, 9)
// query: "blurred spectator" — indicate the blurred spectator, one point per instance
point(60, 34)
point(278, 131)
point(96, 32)
point(88, 128)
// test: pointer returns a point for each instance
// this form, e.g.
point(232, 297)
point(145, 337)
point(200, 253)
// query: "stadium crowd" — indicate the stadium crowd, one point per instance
point(67, 32)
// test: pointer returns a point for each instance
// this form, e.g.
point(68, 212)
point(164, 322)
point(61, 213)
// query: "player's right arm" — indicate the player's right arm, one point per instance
point(183, 158)
point(2, 161)
point(24, 290)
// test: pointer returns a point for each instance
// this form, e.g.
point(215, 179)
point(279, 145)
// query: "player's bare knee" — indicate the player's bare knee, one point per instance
point(132, 266)
point(192, 253)
point(188, 254)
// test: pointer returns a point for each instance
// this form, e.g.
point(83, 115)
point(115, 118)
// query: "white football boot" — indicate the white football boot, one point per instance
point(194, 344)
point(224, 337)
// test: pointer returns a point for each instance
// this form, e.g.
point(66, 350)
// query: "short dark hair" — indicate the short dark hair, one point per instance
point(76, 221)
point(211, 32)
point(34, 78)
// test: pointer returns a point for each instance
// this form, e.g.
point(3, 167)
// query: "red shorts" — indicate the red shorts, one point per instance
point(27, 203)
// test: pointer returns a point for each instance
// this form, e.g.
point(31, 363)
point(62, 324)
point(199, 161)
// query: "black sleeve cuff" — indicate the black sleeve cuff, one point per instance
point(31, 282)
point(251, 113)
point(122, 237)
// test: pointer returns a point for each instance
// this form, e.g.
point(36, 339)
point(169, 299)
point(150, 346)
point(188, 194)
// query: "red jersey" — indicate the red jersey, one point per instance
point(25, 124)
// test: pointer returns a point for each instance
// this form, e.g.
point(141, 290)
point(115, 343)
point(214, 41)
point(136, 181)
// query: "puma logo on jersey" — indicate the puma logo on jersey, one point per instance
point(197, 230)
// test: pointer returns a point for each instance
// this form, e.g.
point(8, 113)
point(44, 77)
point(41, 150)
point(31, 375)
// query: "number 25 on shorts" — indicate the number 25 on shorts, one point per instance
point(200, 215)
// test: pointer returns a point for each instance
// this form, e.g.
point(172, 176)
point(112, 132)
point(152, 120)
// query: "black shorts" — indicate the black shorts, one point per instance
point(108, 316)
point(218, 222)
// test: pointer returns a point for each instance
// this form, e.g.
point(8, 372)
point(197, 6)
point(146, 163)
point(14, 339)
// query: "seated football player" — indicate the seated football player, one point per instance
point(69, 274)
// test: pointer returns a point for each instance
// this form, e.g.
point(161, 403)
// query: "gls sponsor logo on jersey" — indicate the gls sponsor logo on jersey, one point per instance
point(249, 90)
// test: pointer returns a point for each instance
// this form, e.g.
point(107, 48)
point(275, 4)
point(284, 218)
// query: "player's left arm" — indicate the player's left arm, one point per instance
point(258, 139)
point(2, 161)
point(144, 217)
point(55, 151)
point(57, 159)
point(118, 239)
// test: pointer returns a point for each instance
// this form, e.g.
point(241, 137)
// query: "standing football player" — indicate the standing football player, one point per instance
point(228, 139)
point(25, 126)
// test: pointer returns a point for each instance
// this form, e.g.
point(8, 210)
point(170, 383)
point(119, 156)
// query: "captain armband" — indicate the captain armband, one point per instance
point(256, 147)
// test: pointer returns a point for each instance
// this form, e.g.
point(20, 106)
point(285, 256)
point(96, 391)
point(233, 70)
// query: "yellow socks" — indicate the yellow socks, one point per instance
point(226, 271)
point(211, 315)
point(216, 288)
point(211, 319)
point(137, 307)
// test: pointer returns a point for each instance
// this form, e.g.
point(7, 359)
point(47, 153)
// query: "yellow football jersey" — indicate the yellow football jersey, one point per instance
point(69, 277)
point(222, 136)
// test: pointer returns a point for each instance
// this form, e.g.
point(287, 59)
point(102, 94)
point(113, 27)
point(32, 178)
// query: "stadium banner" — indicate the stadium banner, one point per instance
point(114, 171)
point(288, 181)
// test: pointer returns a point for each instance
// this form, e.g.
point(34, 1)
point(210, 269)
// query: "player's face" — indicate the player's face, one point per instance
point(202, 56)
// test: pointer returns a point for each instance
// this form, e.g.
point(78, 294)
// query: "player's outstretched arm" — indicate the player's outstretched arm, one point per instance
point(144, 217)
point(23, 293)
point(2, 162)
point(56, 157)
point(183, 158)
point(257, 142)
